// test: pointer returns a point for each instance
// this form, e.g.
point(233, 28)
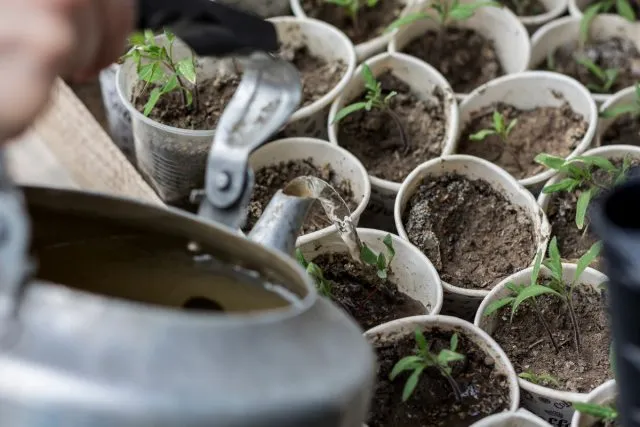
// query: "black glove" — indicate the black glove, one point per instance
point(208, 27)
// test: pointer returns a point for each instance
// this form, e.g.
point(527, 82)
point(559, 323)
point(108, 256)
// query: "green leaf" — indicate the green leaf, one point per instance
point(598, 411)
point(382, 266)
point(388, 243)
point(189, 97)
point(372, 3)
point(169, 35)
point(498, 121)
point(171, 85)
point(513, 124)
point(453, 343)
point(421, 340)
point(535, 272)
point(149, 37)
point(406, 20)
point(137, 39)
point(586, 260)
point(619, 110)
point(389, 96)
point(187, 70)
point(151, 73)
point(598, 161)
point(408, 363)
point(555, 261)
point(581, 207)
point(497, 305)
point(562, 185)
point(531, 292)
point(154, 97)
point(552, 162)
point(465, 11)
point(370, 81)
point(301, 259)
point(611, 76)
point(591, 66)
point(314, 271)
point(587, 18)
point(479, 136)
point(625, 10)
point(411, 384)
point(368, 256)
point(348, 110)
point(447, 356)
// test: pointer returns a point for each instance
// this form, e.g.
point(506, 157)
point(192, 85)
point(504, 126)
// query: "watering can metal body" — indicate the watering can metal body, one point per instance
point(74, 358)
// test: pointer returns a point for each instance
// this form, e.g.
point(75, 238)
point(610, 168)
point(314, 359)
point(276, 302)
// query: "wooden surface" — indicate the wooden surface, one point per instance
point(67, 148)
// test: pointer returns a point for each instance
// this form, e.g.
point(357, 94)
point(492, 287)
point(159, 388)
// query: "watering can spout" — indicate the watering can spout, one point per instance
point(279, 225)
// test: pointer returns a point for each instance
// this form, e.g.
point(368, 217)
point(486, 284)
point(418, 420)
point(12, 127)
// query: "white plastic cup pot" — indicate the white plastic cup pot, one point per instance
point(398, 329)
point(532, 89)
point(554, 9)
point(344, 164)
point(364, 50)
point(567, 30)
point(602, 395)
point(519, 418)
point(118, 117)
point(262, 8)
point(328, 43)
point(463, 302)
point(623, 97)
point(608, 152)
point(171, 178)
point(510, 38)
point(411, 271)
point(548, 403)
point(422, 79)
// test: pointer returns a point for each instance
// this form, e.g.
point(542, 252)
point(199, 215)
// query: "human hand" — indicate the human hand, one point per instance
point(41, 39)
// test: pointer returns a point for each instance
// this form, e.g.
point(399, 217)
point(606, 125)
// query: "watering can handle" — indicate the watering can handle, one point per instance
point(14, 241)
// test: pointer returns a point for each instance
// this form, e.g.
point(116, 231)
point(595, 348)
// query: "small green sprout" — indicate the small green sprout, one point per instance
point(352, 7)
point(374, 100)
point(632, 108)
point(322, 285)
point(502, 130)
point(606, 78)
point(379, 262)
point(156, 66)
point(543, 379)
point(579, 173)
point(424, 359)
point(605, 413)
point(623, 8)
point(446, 12)
point(554, 285)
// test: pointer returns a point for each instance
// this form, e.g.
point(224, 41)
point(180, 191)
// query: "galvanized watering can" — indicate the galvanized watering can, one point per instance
point(119, 313)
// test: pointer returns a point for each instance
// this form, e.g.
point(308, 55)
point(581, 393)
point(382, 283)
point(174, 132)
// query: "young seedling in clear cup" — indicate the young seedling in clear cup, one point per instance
point(158, 70)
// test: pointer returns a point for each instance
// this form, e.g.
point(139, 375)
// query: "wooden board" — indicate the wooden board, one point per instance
point(67, 148)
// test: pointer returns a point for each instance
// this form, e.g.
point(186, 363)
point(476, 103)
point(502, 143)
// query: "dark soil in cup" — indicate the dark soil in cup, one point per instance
point(615, 53)
point(374, 137)
point(462, 55)
point(269, 180)
point(525, 7)
point(625, 129)
point(561, 212)
point(551, 130)
point(318, 76)
point(372, 21)
point(471, 233)
point(370, 300)
point(213, 97)
point(485, 390)
point(530, 350)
